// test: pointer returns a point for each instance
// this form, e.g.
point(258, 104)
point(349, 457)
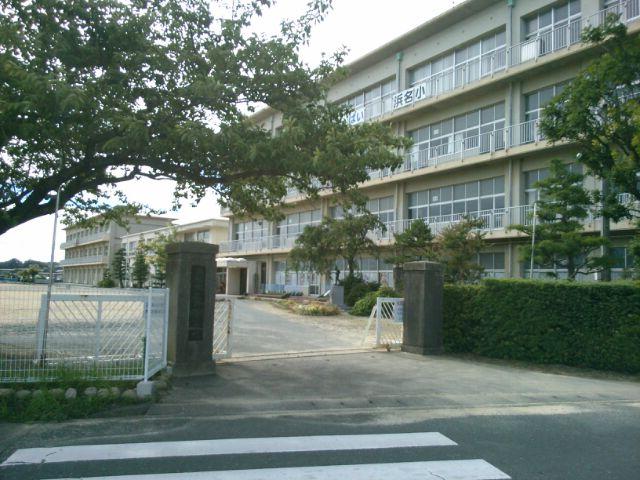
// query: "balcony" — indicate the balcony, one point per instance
point(562, 37)
point(86, 239)
point(496, 220)
point(91, 260)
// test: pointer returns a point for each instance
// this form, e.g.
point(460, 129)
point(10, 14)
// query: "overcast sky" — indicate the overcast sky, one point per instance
point(360, 25)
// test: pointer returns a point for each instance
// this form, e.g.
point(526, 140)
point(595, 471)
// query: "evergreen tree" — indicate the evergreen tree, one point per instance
point(415, 243)
point(560, 240)
point(157, 255)
point(140, 271)
point(119, 266)
point(457, 248)
point(319, 246)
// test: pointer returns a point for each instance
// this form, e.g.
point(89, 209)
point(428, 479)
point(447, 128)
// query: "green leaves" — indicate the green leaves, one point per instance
point(590, 325)
point(599, 109)
point(94, 93)
point(561, 242)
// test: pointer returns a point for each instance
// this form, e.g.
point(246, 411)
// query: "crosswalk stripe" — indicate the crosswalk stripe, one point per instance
point(434, 470)
point(229, 446)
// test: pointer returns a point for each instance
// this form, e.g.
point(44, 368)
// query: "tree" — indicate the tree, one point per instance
point(599, 111)
point(319, 246)
point(560, 239)
point(457, 249)
point(415, 243)
point(98, 92)
point(107, 281)
point(157, 255)
point(140, 271)
point(119, 266)
point(29, 274)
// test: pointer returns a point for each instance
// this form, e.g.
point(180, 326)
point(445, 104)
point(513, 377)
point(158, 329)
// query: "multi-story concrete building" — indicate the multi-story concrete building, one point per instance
point(468, 88)
point(212, 230)
point(89, 251)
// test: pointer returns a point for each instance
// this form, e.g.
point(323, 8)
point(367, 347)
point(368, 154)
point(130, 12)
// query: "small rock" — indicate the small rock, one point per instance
point(161, 384)
point(90, 391)
point(37, 393)
point(104, 393)
point(130, 394)
point(70, 394)
point(57, 392)
point(115, 392)
point(6, 392)
point(22, 394)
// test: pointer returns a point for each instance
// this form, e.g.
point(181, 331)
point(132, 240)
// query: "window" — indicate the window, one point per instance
point(554, 27)
point(374, 100)
point(294, 223)
point(623, 262)
point(383, 208)
point(531, 192)
point(472, 130)
point(535, 102)
point(465, 64)
point(463, 198)
point(202, 236)
point(246, 231)
point(493, 264)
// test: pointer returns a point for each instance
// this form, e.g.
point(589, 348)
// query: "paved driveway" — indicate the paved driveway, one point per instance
point(263, 328)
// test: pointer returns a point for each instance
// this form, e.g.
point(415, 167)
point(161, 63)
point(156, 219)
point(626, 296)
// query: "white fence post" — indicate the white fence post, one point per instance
point(378, 320)
point(40, 332)
point(98, 326)
point(147, 339)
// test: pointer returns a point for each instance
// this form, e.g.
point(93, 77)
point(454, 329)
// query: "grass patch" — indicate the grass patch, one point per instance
point(49, 407)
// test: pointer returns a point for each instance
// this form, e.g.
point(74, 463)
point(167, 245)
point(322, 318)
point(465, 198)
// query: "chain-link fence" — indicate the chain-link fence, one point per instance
point(81, 332)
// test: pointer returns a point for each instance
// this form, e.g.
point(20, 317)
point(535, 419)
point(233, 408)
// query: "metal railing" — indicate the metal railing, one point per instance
point(552, 40)
point(89, 260)
point(88, 333)
point(626, 11)
point(86, 239)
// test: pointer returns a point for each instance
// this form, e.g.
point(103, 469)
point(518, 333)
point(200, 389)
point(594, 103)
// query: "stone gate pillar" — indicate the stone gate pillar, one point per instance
point(423, 289)
point(191, 278)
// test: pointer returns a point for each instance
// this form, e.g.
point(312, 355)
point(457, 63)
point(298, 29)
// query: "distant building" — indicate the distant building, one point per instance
point(89, 251)
point(213, 230)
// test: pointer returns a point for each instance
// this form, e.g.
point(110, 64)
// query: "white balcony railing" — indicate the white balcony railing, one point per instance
point(82, 240)
point(492, 220)
point(558, 38)
point(626, 11)
point(91, 260)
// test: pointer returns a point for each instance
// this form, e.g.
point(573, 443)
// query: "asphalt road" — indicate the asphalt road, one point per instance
point(527, 424)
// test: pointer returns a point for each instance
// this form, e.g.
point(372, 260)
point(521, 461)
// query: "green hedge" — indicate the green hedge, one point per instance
point(592, 325)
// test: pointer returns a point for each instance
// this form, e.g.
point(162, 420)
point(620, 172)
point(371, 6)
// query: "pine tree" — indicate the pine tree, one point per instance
point(561, 242)
point(140, 273)
point(457, 249)
point(119, 267)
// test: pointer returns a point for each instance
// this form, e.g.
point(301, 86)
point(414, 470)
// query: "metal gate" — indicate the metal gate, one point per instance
point(222, 327)
point(387, 315)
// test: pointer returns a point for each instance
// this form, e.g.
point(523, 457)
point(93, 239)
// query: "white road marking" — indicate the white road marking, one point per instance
point(229, 446)
point(438, 470)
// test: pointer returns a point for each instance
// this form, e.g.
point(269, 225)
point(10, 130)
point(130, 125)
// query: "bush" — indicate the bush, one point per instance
point(356, 288)
point(363, 307)
point(591, 325)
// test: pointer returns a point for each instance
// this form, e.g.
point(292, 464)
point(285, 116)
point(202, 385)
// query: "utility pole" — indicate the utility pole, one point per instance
point(605, 232)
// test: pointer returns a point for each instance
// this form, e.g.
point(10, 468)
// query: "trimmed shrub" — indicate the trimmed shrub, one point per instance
point(363, 307)
point(593, 325)
point(309, 308)
point(356, 288)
